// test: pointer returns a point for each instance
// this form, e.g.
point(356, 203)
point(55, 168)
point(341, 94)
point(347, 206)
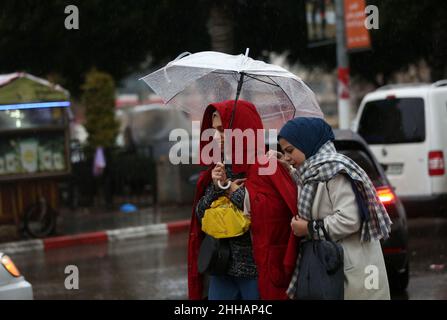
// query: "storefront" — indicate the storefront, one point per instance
point(34, 149)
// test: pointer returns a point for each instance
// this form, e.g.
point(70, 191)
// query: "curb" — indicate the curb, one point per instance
point(95, 237)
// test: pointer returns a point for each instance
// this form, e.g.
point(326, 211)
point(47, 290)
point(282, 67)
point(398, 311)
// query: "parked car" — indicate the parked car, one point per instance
point(13, 285)
point(406, 128)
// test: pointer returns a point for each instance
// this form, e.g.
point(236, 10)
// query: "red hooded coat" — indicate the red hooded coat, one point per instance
point(273, 204)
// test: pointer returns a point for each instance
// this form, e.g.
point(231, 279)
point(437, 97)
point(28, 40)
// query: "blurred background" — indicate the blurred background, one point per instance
point(109, 167)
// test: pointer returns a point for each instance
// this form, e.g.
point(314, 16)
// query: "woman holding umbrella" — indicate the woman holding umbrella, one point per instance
point(195, 81)
point(256, 268)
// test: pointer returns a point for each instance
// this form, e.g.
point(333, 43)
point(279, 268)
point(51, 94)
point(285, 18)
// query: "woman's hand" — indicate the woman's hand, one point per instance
point(236, 184)
point(219, 174)
point(280, 157)
point(299, 227)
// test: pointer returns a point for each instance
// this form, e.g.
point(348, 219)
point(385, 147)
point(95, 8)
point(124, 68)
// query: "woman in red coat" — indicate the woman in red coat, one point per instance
point(268, 252)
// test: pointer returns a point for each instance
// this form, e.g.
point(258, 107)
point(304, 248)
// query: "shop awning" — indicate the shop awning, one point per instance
point(24, 91)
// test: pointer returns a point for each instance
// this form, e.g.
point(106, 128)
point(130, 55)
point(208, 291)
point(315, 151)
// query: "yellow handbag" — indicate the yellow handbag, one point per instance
point(224, 220)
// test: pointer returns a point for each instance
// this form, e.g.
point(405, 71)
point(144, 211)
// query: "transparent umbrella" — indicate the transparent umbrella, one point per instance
point(193, 81)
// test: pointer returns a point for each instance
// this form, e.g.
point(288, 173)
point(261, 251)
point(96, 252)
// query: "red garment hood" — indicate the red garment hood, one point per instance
point(245, 117)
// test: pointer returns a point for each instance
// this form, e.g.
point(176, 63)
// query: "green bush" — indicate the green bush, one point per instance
point(98, 97)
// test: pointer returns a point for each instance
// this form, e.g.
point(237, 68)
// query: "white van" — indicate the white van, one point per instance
point(406, 128)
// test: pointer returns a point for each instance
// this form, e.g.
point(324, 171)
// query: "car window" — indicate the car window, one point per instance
point(391, 121)
point(364, 161)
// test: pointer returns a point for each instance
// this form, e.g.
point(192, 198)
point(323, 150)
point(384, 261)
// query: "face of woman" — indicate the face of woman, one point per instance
point(292, 155)
point(219, 134)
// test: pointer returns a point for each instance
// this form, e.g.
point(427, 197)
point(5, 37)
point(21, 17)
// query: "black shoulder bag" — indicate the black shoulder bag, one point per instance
point(321, 272)
point(214, 255)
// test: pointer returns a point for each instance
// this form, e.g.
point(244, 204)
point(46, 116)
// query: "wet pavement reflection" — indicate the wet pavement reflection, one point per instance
point(155, 267)
point(150, 268)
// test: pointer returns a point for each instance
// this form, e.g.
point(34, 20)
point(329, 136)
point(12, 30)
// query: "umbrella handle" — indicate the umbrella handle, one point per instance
point(224, 187)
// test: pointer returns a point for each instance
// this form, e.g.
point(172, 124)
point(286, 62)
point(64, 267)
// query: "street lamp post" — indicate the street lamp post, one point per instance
point(343, 96)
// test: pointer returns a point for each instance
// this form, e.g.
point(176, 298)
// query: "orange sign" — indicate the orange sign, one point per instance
point(357, 36)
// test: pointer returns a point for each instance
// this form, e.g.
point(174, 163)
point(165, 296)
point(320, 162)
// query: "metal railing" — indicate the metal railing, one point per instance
point(129, 176)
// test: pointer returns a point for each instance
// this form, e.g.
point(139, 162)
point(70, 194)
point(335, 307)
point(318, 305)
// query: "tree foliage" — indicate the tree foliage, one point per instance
point(121, 37)
point(114, 36)
point(408, 32)
point(98, 97)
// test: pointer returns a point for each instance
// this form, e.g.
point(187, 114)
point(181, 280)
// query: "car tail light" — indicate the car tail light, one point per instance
point(10, 266)
point(386, 195)
point(436, 165)
point(393, 250)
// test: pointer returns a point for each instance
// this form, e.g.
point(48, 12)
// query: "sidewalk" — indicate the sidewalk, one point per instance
point(96, 225)
point(90, 220)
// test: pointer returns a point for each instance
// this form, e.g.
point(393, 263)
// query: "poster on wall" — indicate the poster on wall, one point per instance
point(321, 20)
point(357, 36)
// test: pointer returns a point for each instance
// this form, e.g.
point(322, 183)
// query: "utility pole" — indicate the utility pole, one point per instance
point(343, 96)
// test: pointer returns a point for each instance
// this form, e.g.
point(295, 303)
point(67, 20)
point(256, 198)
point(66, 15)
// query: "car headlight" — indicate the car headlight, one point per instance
point(10, 266)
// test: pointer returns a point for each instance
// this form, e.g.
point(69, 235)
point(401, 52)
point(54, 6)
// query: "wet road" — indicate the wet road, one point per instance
point(155, 268)
point(151, 268)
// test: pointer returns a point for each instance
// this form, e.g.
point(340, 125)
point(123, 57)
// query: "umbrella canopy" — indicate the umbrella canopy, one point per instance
point(193, 81)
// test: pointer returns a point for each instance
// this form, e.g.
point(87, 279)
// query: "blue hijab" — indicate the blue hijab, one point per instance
point(307, 134)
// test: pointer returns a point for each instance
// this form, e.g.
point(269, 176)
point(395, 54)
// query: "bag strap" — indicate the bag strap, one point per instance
point(320, 225)
point(314, 226)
